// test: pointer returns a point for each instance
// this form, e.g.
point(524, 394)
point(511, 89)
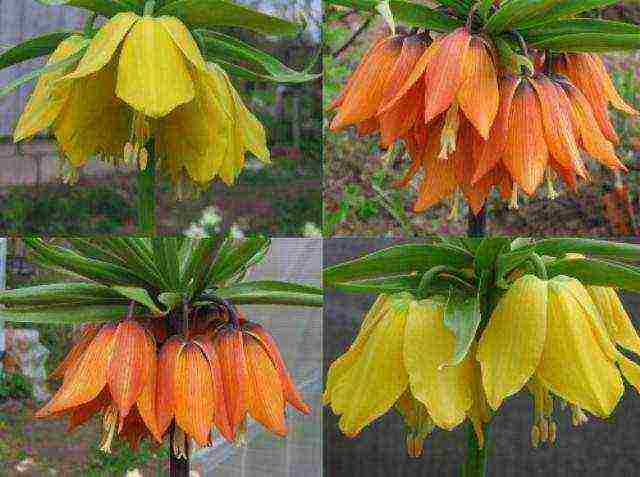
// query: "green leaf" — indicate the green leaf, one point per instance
point(165, 252)
point(67, 62)
point(511, 13)
point(565, 10)
point(237, 259)
point(597, 272)
point(398, 260)
point(412, 14)
point(69, 261)
point(488, 251)
point(170, 299)
point(460, 7)
point(271, 293)
point(138, 255)
point(199, 255)
point(462, 316)
point(108, 8)
point(589, 42)
point(579, 26)
point(219, 47)
point(141, 296)
point(397, 284)
point(57, 293)
point(212, 13)
point(557, 247)
point(33, 48)
point(65, 314)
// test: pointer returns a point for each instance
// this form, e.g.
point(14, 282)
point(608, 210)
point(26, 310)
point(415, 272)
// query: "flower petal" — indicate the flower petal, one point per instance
point(511, 345)
point(478, 95)
point(444, 391)
point(265, 398)
point(71, 360)
point(193, 393)
point(147, 401)
point(610, 90)
point(165, 402)
point(88, 378)
point(183, 39)
point(615, 317)
point(526, 154)
point(153, 77)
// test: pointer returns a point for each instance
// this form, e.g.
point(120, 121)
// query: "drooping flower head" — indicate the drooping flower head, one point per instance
point(142, 78)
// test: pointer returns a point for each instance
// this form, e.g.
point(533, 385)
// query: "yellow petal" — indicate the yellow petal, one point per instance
point(153, 76)
point(377, 378)
point(428, 344)
point(104, 44)
point(479, 413)
point(615, 317)
point(183, 39)
point(512, 342)
point(41, 109)
point(573, 364)
point(91, 102)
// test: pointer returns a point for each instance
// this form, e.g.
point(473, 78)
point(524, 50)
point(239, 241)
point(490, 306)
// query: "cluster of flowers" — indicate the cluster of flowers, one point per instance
point(143, 78)
point(556, 339)
point(142, 380)
point(472, 124)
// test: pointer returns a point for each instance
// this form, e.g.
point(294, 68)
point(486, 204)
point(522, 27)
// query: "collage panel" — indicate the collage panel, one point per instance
point(216, 123)
point(436, 112)
point(114, 363)
point(431, 370)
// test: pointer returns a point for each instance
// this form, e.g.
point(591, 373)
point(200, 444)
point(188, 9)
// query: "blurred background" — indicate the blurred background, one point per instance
point(599, 448)
point(360, 201)
point(36, 448)
point(277, 199)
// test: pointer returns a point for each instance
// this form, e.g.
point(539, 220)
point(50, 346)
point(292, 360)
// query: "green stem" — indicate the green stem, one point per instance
point(476, 464)
point(146, 195)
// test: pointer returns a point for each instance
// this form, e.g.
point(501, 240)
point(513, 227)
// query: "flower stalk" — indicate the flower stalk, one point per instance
point(476, 464)
point(146, 194)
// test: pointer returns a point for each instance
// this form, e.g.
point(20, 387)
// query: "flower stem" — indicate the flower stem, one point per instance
point(476, 464)
point(178, 466)
point(146, 195)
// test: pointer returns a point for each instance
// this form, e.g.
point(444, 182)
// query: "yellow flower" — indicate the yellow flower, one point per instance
point(400, 349)
point(143, 78)
point(615, 318)
point(550, 336)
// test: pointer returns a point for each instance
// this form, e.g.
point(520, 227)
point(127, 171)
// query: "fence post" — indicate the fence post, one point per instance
point(3, 271)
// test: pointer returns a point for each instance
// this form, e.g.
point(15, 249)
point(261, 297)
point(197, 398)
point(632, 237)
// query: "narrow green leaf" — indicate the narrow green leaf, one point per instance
point(579, 26)
point(462, 316)
point(68, 61)
point(398, 260)
point(488, 251)
point(60, 293)
point(589, 42)
point(597, 272)
point(412, 14)
point(557, 247)
point(270, 293)
point(141, 296)
point(212, 13)
point(511, 13)
point(36, 47)
point(237, 260)
point(165, 251)
point(219, 47)
point(565, 10)
point(108, 8)
point(170, 299)
point(397, 284)
point(66, 314)
point(198, 257)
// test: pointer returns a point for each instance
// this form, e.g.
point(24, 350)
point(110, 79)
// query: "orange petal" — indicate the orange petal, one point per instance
point(568, 175)
point(83, 413)
point(193, 393)
point(558, 129)
point(233, 365)
point(492, 150)
point(70, 361)
point(89, 377)
point(133, 430)
point(475, 194)
point(610, 90)
point(592, 139)
point(133, 355)
point(220, 418)
point(396, 121)
point(440, 176)
point(368, 126)
point(525, 153)
point(584, 75)
point(443, 75)
point(478, 95)
point(265, 397)
point(165, 408)
point(291, 394)
point(365, 94)
point(146, 402)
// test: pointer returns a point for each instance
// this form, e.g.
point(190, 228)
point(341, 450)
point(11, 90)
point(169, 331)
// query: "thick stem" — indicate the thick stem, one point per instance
point(146, 194)
point(476, 464)
point(178, 467)
point(477, 224)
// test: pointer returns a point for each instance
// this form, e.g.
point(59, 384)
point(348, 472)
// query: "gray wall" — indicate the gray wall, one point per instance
point(598, 449)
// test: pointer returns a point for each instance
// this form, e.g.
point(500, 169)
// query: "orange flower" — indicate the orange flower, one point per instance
point(255, 379)
point(589, 74)
point(111, 370)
